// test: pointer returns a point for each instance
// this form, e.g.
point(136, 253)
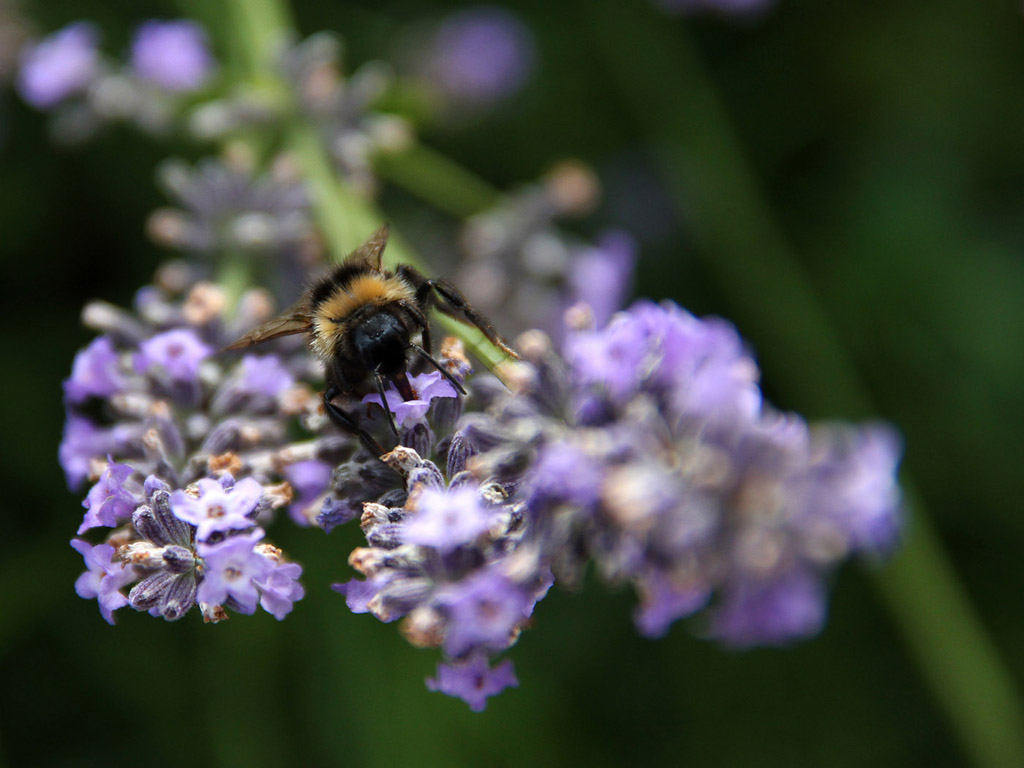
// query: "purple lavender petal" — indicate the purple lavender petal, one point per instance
point(426, 385)
point(602, 276)
point(562, 473)
point(358, 593)
point(473, 681)
point(216, 509)
point(858, 484)
point(770, 613)
point(178, 353)
point(664, 602)
point(230, 569)
point(483, 612)
point(59, 65)
point(103, 579)
point(280, 588)
point(109, 501)
point(174, 55)
point(82, 442)
point(445, 519)
point(94, 373)
point(309, 480)
point(264, 375)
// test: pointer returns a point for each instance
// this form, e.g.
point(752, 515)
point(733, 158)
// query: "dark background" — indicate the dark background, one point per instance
point(886, 141)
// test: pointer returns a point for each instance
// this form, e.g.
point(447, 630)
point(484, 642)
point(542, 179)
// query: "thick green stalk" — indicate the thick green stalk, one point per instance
point(685, 124)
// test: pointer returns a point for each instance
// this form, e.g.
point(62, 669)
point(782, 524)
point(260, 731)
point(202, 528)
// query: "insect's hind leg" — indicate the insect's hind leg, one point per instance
point(345, 422)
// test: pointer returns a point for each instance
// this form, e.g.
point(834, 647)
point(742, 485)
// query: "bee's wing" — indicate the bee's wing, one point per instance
point(369, 254)
point(295, 320)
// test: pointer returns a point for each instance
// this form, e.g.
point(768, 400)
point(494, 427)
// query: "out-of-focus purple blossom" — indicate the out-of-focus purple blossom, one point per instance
point(104, 578)
point(173, 55)
point(446, 519)
point(111, 500)
point(217, 510)
point(231, 569)
point(770, 613)
point(859, 487)
point(264, 375)
point(280, 588)
point(59, 65)
point(358, 593)
point(480, 56)
point(663, 602)
point(473, 680)
point(484, 611)
point(83, 442)
point(224, 205)
point(602, 276)
point(310, 481)
point(427, 386)
point(95, 372)
point(699, 367)
point(176, 353)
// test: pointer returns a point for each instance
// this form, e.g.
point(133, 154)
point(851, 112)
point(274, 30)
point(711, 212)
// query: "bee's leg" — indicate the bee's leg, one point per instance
point(345, 422)
point(449, 300)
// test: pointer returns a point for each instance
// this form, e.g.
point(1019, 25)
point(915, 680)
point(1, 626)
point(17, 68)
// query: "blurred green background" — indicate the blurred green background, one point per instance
point(875, 150)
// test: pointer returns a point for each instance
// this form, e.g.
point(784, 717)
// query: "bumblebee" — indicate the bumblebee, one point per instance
point(369, 325)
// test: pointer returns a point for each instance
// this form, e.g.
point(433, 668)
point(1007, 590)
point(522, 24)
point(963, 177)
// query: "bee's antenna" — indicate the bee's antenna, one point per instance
point(384, 401)
point(441, 369)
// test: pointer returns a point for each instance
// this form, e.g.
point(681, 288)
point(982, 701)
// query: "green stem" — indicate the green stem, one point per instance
point(435, 178)
point(687, 127)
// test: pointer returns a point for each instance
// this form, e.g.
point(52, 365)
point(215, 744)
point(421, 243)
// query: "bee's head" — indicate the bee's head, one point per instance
point(381, 341)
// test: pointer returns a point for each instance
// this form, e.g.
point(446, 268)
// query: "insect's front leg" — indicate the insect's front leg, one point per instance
point(345, 421)
point(449, 300)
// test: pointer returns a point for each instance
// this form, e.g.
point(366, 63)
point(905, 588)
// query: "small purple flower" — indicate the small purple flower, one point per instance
point(562, 473)
point(664, 602)
point(82, 442)
point(230, 570)
point(104, 578)
point(776, 612)
point(280, 588)
point(109, 501)
point(174, 55)
point(859, 486)
point(217, 509)
point(95, 372)
point(484, 611)
point(445, 519)
point(310, 481)
point(481, 55)
point(177, 353)
point(427, 386)
point(358, 593)
point(59, 65)
point(264, 375)
point(601, 276)
point(473, 681)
